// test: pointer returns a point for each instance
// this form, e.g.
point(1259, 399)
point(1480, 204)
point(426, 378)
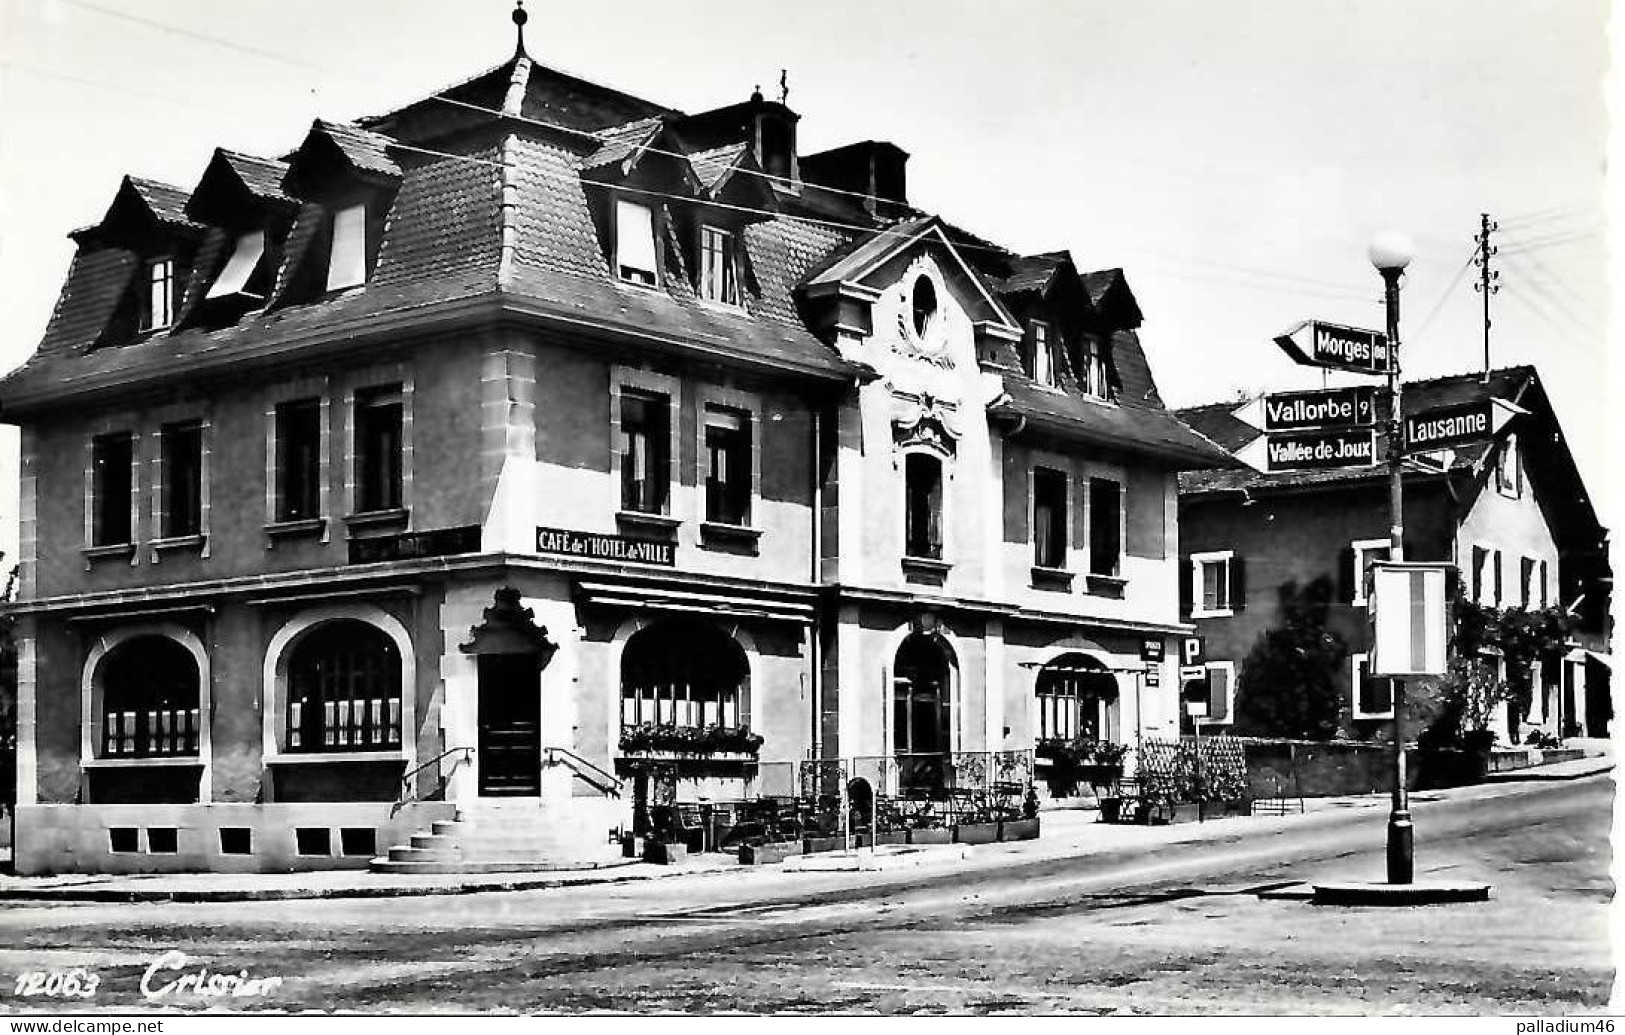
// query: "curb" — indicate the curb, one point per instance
point(1533, 773)
point(128, 895)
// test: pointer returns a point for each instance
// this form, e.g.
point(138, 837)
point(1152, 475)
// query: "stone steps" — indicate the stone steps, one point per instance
point(505, 836)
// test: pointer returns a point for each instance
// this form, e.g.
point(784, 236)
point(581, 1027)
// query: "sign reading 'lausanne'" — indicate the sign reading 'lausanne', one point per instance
point(603, 547)
point(1449, 426)
point(1332, 345)
point(1320, 450)
point(1339, 407)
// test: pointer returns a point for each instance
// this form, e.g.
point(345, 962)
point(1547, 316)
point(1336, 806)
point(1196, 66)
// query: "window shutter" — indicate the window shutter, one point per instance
point(1186, 593)
point(1238, 583)
point(1347, 588)
point(1478, 574)
point(1218, 693)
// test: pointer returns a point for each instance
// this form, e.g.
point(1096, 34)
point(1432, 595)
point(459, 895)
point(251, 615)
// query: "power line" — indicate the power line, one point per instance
point(191, 34)
point(1444, 297)
point(1581, 323)
point(1555, 280)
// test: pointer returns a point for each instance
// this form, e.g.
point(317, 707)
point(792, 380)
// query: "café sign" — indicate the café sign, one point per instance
point(599, 546)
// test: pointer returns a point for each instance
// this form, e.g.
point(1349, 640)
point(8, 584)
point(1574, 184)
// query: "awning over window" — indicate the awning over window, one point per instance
point(717, 602)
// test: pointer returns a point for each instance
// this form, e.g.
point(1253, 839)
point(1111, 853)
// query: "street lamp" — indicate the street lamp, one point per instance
point(1390, 253)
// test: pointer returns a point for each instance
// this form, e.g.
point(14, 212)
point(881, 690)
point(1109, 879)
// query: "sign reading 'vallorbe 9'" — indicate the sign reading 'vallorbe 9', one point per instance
point(1296, 411)
point(1320, 450)
point(1332, 345)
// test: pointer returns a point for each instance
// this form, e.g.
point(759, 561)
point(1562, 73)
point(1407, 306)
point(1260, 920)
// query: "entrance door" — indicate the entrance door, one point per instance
point(510, 744)
point(921, 716)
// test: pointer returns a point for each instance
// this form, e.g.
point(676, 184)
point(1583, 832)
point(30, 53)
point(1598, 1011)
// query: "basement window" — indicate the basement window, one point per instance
point(358, 841)
point(163, 840)
point(236, 841)
point(313, 841)
point(123, 839)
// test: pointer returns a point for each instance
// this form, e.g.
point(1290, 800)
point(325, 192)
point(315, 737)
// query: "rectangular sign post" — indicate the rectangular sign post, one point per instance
point(1337, 407)
point(1317, 343)
point(1320, 450)
point(1406, 603)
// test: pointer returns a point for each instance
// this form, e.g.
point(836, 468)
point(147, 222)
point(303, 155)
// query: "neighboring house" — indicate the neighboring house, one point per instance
point(1512, 514)
point(471, 450)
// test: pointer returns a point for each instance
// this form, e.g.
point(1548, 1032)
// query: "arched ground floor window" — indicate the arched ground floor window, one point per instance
point(685, 673)
point(1072, 696)
point(344, 689)
point(149, 699)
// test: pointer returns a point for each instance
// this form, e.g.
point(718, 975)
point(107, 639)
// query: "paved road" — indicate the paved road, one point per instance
point(1175, 930)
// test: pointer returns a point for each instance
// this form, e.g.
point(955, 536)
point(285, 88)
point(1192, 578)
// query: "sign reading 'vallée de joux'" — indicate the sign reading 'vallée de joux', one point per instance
point(1319, 450)
point(1336, 347)
point(1337, 407)
point(604, 547)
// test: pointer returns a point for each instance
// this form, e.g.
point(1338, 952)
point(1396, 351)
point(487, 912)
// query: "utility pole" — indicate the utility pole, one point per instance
point(1488, 282)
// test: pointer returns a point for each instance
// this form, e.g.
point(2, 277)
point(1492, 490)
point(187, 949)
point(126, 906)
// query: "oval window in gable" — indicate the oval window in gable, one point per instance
point(925, 305)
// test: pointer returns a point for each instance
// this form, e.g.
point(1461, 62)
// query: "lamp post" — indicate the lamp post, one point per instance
point(1390, 253)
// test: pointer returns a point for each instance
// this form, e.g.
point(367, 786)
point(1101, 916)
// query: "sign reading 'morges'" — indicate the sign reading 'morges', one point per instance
point(600, 546)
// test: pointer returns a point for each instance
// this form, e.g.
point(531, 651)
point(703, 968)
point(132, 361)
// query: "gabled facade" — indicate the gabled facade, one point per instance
point(490, 441)
point(1511, 514)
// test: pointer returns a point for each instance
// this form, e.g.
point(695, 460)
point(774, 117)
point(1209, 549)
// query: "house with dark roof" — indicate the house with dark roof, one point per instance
point(1511, 513)
point(434, 484)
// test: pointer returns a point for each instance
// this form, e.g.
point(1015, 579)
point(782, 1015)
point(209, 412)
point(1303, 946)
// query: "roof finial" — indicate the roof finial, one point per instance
point(756, 93)
point(784, 86)
point(519, 20)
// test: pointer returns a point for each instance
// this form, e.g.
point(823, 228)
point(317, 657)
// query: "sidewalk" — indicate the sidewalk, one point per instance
point(1591, 765)
point(1066, 834)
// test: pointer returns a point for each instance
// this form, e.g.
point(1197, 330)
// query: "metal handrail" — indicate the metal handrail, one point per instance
point(467, 755)
point(595, 775)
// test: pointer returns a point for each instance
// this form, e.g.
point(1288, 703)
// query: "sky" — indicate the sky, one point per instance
point(1233, 158)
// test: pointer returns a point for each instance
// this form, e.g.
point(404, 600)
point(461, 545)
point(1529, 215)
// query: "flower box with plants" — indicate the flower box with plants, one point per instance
point(1071, 764)
point(668, 740)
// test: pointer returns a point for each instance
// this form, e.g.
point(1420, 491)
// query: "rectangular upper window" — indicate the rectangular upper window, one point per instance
point(347, 259)
point(635, 243)
point(1481, 561)
point(378, 448)
point(1092, 379)
point(1508, 472)
point(1049, 518)
point(1211, 583)
point(298, 459)
point(727, 466)
point(159, 299)
point(1105, 527)
point(181, 448)
point(239, 269)
point(645, 451)
point(1041, 353)
point(111, 486)
point(1527, 583)
point(719, 266)
point(922, 506)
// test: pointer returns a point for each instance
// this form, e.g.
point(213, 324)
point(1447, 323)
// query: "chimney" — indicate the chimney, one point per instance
point(875, 168)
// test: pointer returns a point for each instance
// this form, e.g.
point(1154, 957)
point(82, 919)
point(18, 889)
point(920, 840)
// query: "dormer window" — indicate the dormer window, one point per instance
point(1092, 377)
point(158, 310)
point(635, 243)
point(719, 266)
point(240, 268)
point(347, 259)
point(1040, 353)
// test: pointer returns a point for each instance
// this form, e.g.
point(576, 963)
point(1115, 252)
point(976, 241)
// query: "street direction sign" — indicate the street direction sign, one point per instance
point(1320, 450)
point(1192, 673)
point(1454, 425)
point(1337, 407)
point(1316, 343)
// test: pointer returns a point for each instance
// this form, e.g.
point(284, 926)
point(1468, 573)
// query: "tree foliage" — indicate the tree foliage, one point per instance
point(1288, 681)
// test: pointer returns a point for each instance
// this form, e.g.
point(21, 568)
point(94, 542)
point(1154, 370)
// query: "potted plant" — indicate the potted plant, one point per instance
point(1073, 763)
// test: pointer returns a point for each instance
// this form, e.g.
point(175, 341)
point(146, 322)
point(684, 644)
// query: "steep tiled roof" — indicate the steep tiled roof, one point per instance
point(621, 142)
point(167, 201)
point(1033, 272)
point(263, 176)
point(1133, 428)
point(366, 150)
point(712, 166)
